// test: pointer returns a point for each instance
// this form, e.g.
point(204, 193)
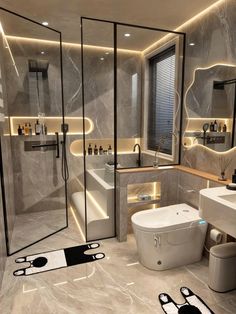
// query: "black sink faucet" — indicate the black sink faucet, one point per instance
point(139, 154)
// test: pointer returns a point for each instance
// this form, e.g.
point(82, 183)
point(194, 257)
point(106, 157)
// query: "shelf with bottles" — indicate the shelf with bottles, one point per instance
point(124, 146)
point(52, 124)
point(139, 194)
point(216, 125)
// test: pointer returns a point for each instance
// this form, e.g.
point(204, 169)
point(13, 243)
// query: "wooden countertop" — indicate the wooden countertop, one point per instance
point(198, 173)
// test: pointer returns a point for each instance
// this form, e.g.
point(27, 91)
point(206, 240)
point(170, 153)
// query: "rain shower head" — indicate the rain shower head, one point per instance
point(38, 66)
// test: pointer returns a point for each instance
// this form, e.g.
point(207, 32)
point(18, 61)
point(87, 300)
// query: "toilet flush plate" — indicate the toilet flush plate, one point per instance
point(218, 207)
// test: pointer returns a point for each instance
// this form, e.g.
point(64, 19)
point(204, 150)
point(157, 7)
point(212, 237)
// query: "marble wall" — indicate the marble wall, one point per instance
point(215, 41)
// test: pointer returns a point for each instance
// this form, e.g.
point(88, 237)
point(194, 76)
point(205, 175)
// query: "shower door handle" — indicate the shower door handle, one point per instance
point(51, 145)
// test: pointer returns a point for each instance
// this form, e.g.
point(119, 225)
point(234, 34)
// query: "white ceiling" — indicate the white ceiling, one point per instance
point(65, 15)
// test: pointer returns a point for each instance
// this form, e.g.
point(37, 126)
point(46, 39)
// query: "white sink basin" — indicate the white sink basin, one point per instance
point(218, 207)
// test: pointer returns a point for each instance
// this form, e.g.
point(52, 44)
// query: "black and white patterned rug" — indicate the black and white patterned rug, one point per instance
point(62, 258)
point(193, 304)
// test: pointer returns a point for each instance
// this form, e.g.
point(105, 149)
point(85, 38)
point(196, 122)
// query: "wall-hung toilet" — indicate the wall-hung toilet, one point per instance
point(169, 237)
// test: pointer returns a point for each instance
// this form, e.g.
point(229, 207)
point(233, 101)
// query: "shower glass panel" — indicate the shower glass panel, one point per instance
point(149, 96)
point(98, 104)
point(34, 192)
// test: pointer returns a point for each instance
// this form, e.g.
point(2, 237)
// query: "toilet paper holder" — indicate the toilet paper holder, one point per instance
point(216, 235)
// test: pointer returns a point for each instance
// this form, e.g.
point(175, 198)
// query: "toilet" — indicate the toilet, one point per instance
point(169, 237)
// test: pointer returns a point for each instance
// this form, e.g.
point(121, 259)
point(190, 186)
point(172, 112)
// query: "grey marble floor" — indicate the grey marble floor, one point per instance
point(116, 284)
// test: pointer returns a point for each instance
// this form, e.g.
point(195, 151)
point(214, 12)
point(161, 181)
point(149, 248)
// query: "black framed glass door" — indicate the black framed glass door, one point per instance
point(32, 143)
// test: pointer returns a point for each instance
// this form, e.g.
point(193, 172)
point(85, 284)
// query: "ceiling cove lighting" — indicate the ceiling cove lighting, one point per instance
point(45, 23)
point(44, 41)
point(180, 28)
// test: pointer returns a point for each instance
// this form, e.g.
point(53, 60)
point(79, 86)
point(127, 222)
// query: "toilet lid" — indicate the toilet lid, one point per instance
point(166, 218)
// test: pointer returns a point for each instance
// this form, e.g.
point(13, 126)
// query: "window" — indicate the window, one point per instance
point(161, 101)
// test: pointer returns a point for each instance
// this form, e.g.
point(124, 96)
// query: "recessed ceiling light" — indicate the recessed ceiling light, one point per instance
point(42, 52)
point(192, 44)
point(102, 58)
point(127, 35)
point(107, 53)
point(45, 23)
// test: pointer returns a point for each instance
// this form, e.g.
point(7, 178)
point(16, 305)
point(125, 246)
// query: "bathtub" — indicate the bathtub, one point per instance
point(169, 237)
point(100, 204)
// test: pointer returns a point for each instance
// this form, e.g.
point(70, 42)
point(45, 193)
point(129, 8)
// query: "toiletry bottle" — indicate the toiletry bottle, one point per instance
point(100, 150)
point(219, 127)
point(215, 126)
point(26, 129)
point(90, 150)
point(234, 177)
point(212, 127)
point(224, 128)
point(19, 130)
point(109, 150)
point(95, 150)
point(104, 152)
point(44, 129)
point(23, 130)
point(30, 129)
point(37, 128)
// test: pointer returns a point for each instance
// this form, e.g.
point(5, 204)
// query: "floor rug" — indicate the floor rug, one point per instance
point(62, 258)
point(193, 304)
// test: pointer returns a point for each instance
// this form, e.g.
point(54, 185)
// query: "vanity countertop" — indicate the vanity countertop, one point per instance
point(202, 174)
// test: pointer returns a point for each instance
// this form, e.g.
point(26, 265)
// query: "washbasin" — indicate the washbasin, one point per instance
point(218, 207)
point(230, 198)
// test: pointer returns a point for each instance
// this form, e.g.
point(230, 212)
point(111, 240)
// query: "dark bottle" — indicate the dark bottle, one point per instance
point(37, 128)
point(224, 128)
point(234, 177)
point(212, 127)
point(100, 150)
point(90, 150)
point(19, 130)
point(95, 150)
point(215, 126)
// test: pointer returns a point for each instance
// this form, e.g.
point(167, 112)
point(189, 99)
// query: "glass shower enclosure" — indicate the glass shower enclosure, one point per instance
point(116, 76)
point(33, 175)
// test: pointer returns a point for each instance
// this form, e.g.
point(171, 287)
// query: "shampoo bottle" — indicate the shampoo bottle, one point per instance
point(215, 126)
point(19, 130)
point(30, 129)
point(37, 128)
point(26, 129)
point(109, 150)
point(90, 150)
point(95, 150)
point(100, 150)
point(234, 177)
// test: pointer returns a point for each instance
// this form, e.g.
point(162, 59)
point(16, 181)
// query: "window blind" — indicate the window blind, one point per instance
point(162, 101)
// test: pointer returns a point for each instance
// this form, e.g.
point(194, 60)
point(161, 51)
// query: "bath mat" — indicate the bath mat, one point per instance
point(193, 304)
point(51, 260)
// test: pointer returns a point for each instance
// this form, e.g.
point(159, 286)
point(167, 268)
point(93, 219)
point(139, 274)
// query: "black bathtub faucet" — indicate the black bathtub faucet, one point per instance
point(139, 154)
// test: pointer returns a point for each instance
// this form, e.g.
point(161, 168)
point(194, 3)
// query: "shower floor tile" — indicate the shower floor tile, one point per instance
point(116, 284)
